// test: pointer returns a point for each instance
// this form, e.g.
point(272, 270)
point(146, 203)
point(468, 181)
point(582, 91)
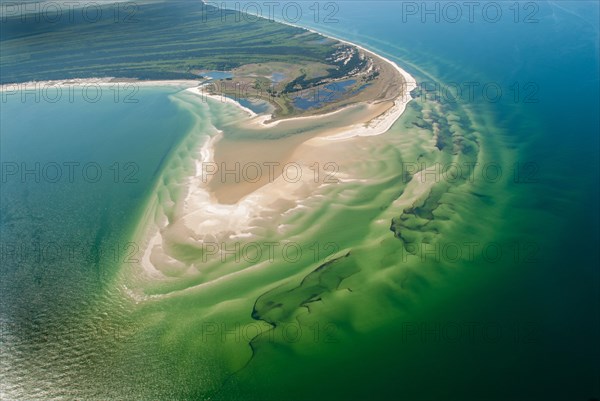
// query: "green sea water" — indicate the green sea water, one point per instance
point(487, 288)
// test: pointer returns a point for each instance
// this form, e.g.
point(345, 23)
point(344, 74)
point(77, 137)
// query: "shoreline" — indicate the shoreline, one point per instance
point(375, 126)
point(216, 210)
point(105, 81)
point(410, 83)
point(386, 119)
point(359, 119)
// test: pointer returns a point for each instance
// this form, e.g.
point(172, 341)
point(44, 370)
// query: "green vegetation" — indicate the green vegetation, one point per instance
point(354, 63)
point(157, 40)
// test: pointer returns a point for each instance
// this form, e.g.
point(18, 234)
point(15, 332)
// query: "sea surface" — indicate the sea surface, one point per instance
point(487, 287)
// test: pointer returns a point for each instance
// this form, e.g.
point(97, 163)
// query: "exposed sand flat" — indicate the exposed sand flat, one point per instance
point(285, 151)
point(373, 117)
point(255, 166)
point(270, 163)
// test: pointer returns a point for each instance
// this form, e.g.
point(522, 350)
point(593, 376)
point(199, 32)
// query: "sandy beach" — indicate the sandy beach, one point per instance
point(107, 81)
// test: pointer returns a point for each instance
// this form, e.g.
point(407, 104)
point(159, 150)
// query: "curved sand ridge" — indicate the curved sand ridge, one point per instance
point(216, 211)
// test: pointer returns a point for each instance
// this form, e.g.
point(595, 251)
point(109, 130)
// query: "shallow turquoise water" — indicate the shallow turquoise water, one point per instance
point(515, 325)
